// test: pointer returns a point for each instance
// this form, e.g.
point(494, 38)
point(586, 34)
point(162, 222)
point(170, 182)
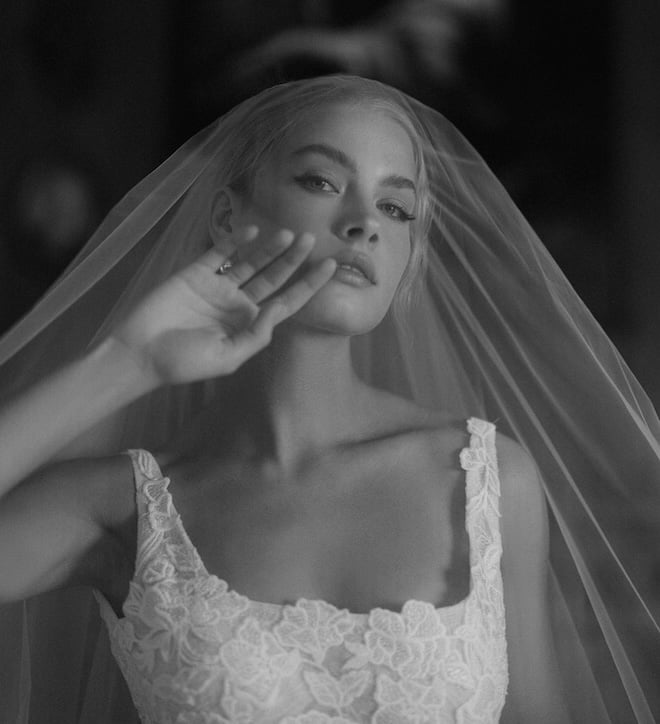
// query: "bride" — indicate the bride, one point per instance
point(312, 522)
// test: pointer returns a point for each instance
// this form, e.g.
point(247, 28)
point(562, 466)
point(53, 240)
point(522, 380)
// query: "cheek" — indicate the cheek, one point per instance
point(263, 213)
point(282, 207)
point(399, 258)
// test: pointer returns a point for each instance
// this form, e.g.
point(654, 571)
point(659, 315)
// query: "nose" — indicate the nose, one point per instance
point(358, 223)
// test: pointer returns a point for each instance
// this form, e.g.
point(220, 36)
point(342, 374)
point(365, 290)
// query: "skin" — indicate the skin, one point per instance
point(367, 499)
point(336, 475)
point(305, 190)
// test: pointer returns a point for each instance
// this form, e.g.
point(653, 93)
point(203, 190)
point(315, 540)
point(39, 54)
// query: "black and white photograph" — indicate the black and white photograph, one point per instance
point(330, 362)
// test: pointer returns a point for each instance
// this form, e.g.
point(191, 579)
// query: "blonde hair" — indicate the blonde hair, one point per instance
point(277, 112)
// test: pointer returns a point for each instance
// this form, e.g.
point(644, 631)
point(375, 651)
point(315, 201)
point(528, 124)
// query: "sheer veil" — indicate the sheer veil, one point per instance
point(494, 331)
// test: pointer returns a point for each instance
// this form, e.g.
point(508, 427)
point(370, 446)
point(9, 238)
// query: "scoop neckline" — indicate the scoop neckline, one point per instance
point(302, 600)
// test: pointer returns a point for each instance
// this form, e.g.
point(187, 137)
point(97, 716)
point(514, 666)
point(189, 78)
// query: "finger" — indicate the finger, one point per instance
point(251, 340)
point(271, 278)
point(214, 257)
point(246, 234)
point(254, 338)
point(260, 256)
point(283, 305)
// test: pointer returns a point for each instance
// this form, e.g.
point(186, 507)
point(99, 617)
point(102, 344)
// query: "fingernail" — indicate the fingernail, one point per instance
point(329, 265)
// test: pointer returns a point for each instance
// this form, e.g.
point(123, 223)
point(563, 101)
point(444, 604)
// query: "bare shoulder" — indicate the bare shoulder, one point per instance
point(522, 500)
point(69, 523)
point(523, 508)
point(515, 463)
point(519, 477)
point(102, 487)
point(441, 436)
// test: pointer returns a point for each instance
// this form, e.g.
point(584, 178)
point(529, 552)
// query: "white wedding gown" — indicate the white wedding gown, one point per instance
point(194, 651)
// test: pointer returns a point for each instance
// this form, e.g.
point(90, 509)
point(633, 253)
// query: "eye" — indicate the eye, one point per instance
point(315, 182)
point(396, 211)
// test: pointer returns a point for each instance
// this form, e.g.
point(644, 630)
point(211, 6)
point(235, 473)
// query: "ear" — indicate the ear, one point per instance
point(223, 207)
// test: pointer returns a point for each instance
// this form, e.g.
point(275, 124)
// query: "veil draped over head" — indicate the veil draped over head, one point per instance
point(494, 331)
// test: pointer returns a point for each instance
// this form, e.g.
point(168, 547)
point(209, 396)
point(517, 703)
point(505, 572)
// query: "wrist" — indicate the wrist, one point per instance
point(126, 371)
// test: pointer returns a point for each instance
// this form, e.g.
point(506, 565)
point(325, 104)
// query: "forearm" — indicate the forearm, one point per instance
point(39, 422)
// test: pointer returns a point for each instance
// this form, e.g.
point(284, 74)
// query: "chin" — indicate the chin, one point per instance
point(341, 314)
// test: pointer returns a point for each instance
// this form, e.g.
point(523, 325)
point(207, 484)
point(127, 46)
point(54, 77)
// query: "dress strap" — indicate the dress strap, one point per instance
point(156, 513)
point(479, 460)
point(482, 492)
point(482, 521)
point(150, 485)
point(153, 504)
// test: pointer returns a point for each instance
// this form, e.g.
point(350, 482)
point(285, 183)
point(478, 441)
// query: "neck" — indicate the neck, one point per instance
point(299, 396)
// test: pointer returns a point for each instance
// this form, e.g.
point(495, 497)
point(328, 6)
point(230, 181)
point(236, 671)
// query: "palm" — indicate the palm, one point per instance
point(193, 318)
point(199, 324)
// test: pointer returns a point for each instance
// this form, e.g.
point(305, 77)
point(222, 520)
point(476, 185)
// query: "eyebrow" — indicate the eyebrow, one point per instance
point(338, 156)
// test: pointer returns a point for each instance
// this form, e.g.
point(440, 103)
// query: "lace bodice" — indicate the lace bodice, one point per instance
point(193, 651)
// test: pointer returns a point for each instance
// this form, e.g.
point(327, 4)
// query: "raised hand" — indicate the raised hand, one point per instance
point(201, 324)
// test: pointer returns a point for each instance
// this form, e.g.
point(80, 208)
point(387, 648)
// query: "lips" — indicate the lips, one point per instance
point(357, 262)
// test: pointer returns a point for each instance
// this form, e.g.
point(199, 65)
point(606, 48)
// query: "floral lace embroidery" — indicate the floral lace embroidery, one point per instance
point(195, 652)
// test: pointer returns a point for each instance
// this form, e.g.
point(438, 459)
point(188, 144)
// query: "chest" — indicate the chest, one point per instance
point(272, 662)
point(358, 530)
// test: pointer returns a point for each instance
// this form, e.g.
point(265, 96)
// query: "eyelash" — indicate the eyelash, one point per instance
point(401, 214)
point(310, 180)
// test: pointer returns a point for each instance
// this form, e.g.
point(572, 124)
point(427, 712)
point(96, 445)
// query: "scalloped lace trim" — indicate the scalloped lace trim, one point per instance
point(195, 652)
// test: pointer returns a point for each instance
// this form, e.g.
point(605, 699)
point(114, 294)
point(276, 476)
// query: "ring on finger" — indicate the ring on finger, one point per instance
point(225, 267)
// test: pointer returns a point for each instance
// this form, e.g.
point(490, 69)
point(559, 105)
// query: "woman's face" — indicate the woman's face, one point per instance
point(346, 175)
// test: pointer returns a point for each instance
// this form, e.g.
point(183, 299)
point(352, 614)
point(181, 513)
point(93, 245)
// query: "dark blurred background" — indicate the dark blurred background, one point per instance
point(562, 99)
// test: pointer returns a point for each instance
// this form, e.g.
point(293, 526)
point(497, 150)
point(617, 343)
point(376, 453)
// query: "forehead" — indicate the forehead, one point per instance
point(368, 135)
